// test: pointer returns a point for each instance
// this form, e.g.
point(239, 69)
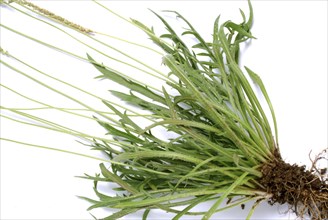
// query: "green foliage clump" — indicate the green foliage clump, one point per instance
point(222, 135)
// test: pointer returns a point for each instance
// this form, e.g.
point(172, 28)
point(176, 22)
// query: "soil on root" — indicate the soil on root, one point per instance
point(306, 191)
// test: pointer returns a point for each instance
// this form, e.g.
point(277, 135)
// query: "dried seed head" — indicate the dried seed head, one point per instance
point(53, 16)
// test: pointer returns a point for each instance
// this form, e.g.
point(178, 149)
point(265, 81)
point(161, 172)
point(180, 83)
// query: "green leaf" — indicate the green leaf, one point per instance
point(132, 99)
point(121, 213)
point(106, 173)
point(238, 28)
point(126, 136)
point(112, 75)
point(186, 123)
point(212, 210)
point(156, 154)
point(259, 82)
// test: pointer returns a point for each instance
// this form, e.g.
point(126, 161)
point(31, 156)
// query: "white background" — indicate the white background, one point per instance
point(290, 55)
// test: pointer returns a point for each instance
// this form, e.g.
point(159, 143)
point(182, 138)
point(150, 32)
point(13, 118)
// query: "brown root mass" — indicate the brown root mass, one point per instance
point(306, 191)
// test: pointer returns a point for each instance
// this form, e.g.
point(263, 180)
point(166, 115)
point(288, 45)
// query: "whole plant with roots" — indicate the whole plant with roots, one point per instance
point(224, 147)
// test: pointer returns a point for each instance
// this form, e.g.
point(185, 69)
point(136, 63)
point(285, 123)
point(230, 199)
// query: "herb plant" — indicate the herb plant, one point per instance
point(222, 146)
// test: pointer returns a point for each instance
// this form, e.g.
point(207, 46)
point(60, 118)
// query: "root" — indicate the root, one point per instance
point(306, 191)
